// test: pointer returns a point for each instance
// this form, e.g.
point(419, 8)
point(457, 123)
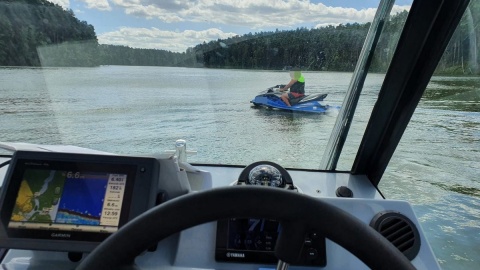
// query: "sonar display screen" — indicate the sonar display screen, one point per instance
point(69, 201)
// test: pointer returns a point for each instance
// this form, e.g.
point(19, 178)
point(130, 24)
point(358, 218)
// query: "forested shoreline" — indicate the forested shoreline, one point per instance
point(39, 33)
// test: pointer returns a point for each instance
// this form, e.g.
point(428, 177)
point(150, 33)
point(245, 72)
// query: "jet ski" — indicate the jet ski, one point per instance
point(270, 99)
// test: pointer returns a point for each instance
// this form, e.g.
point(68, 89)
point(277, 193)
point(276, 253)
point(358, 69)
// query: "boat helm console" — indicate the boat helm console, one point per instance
point(58, 210)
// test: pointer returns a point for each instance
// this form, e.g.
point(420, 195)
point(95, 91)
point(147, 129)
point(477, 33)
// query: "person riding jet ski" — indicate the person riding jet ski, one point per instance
point(296, 85)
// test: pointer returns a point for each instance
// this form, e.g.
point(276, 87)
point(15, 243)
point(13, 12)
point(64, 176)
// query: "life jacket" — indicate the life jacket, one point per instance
point(299, 86)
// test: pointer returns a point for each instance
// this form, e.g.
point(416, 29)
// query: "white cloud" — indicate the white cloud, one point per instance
point(258, 15)
point(63, 3)
point(97, 4)
point(254, 14)
point(154, 38)
point(92, 4)
point(320, 25)
point(151, 12)
point(397, 9)
point(366, 14)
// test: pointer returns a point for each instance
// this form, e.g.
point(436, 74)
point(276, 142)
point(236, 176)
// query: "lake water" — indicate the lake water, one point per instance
point(142, 110)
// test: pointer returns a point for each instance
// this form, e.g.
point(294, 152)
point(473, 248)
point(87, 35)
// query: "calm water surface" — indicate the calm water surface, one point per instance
point(143, 110)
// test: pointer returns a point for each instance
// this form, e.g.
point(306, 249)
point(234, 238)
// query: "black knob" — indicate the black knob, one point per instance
point(344, 191)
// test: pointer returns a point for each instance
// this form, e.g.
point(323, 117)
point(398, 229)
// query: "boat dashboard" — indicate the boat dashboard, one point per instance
point(65, 209)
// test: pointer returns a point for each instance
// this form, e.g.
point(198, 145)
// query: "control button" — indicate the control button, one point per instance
point(238, 241)
point(249, 242)
point(259, 244)
point(308, 242)
point(313, 235)
point(312, 254)
point(269, 237)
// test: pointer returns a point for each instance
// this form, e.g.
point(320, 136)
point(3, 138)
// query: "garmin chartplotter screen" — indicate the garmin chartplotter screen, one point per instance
point(69, 200)
point(50, 198)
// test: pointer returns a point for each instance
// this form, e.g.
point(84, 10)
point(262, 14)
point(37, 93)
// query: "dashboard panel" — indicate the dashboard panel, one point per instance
point(224, 244)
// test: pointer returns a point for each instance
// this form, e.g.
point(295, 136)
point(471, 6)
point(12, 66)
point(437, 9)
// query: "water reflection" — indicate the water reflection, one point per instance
point(458, 94)
point(472, 191)
point(282, 114)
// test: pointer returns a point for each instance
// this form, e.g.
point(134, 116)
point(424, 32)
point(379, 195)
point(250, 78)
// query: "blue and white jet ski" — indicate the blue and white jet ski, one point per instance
point(270, 99)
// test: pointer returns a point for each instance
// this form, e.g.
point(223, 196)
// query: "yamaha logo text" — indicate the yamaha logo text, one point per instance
point(235, 255)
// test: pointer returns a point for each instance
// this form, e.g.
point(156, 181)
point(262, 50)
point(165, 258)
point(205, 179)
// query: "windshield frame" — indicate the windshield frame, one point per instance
point(425, 36)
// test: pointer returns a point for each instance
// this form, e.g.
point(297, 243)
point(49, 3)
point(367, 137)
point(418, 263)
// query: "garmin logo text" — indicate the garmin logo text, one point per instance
point(60, 235)
point(235, 255)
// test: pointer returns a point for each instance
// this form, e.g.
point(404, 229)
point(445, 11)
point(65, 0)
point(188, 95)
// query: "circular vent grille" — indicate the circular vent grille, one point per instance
point(399, 230)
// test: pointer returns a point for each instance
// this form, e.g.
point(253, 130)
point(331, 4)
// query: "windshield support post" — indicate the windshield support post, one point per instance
point(349, 105)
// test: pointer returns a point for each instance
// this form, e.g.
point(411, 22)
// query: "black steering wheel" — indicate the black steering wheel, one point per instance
point(295, 212)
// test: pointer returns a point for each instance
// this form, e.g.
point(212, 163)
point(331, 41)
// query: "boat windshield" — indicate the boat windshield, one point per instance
point(125, 78)
point(133, 77)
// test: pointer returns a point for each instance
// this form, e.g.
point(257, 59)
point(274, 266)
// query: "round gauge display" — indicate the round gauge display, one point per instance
point(265, 175)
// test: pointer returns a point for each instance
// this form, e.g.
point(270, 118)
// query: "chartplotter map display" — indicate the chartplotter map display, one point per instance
point(68, 200)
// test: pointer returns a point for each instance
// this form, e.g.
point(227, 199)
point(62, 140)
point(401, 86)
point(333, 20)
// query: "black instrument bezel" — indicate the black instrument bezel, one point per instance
point(227, 251)
point(140, 193)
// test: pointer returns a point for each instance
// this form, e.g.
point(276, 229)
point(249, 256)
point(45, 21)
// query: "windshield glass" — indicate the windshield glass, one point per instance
point(124, 78)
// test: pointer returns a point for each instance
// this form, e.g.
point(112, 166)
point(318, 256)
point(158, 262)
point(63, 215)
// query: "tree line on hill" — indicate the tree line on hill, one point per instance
point(40, 33)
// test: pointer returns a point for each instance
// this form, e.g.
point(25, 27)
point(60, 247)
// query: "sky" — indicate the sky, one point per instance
point(176, 25)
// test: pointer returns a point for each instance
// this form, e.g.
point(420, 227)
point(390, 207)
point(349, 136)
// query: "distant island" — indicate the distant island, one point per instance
point(40, 33)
